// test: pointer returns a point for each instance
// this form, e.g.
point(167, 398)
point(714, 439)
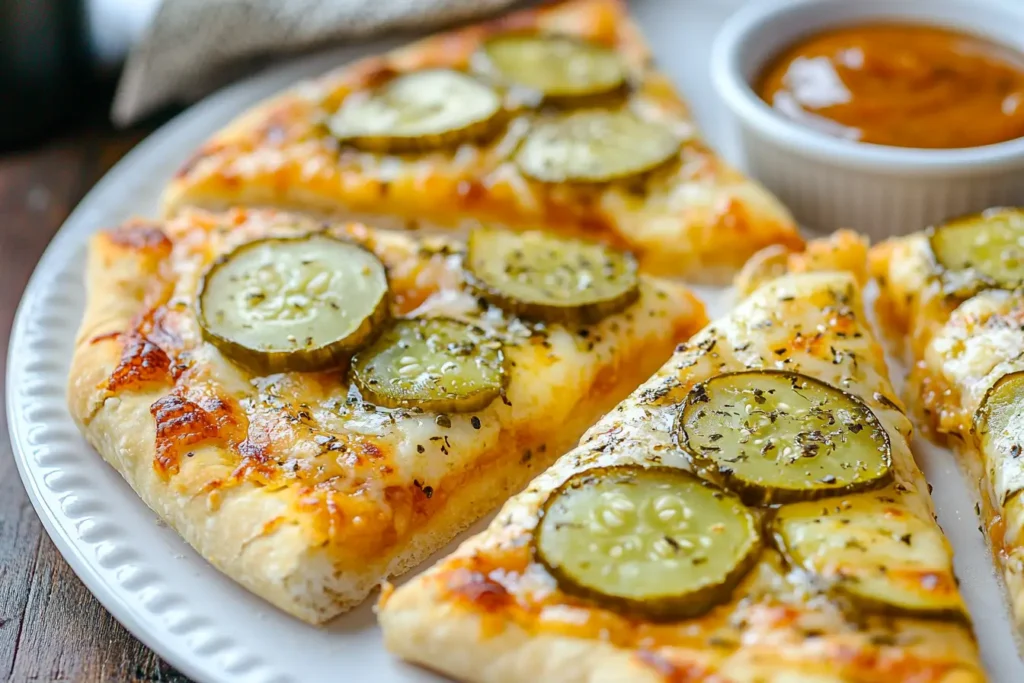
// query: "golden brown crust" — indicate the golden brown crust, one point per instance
point(252, 471)
point(699, 218)
point(426, 628)
point(116, 298)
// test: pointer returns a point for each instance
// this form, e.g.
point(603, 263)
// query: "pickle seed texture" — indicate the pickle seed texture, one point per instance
point(417, 111)
point(435, 364)
point(655, 542)
point(285, 304)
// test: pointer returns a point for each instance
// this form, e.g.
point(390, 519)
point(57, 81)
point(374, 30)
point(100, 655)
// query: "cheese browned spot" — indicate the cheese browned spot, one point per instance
point(142, 362)
point(181, 423)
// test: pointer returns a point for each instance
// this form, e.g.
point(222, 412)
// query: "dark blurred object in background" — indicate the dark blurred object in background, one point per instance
point(61, 59)
point(45, 73)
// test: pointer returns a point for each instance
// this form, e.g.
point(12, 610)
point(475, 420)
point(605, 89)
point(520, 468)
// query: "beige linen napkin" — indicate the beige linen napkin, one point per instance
point(193, 46)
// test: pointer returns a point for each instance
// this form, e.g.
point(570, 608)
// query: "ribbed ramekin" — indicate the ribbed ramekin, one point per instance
point(829, 182)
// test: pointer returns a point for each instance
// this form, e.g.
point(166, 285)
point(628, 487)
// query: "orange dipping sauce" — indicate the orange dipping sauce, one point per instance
point(900, 85)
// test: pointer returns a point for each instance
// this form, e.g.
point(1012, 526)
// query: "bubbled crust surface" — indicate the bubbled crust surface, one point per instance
point(489, 613)
point(307, 499)
point(698, 218)
point(957, 350)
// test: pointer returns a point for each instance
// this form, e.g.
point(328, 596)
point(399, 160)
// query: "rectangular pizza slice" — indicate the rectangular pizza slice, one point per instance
point(551, 118)
point(751, 513)
point(951, 297)
point(315, 407)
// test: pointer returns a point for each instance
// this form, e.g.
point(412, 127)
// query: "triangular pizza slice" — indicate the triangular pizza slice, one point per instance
point(751, 513)
point(551, 118)
point(952, 298)
point(316, 407)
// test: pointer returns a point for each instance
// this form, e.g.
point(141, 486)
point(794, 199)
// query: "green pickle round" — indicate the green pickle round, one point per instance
point(981, 251)
point(560, 68)
point(284, 304)
point(775, 436)
point(999, 431)
point(655, 542)
point(435, 364)
point(552, 279)
point(595, 146)
point(417, 111)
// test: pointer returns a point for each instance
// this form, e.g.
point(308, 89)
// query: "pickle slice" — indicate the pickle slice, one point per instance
point(999, 430)
point(873, 550)
point(560, 68)
point(982, 251)
point(417, 111)
point(539, 276)
point(656, 542)
point(777, 436)
point(595, 146)
point(436, 364)
point(286, 304)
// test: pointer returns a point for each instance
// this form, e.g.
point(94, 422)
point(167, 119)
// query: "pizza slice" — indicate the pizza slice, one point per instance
point(952, 297)
point(316, 407)
point(751, 513)
point(551, 118)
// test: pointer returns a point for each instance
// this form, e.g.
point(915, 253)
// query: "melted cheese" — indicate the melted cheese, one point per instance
point(697, 217)
point(982, 342)
point(313, 435)
point(959, 350)
point(809, 323)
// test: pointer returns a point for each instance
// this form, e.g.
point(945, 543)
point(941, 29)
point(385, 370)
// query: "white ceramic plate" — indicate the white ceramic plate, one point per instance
point(149, 579)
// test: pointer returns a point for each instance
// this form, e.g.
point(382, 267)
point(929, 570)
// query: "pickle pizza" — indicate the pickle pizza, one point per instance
point(951, 299)
point(552, 119)
point(316, 406)
point(752, 512)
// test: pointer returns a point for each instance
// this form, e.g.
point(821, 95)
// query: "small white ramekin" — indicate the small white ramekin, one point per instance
point(829, 182)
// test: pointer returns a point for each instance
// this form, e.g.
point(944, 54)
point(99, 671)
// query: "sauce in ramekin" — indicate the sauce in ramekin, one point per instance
point(900, 85)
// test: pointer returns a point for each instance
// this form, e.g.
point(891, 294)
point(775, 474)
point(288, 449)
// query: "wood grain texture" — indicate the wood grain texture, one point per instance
point(51, 627)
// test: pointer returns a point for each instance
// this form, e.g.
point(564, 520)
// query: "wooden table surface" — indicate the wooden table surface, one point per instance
point(51, 627)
